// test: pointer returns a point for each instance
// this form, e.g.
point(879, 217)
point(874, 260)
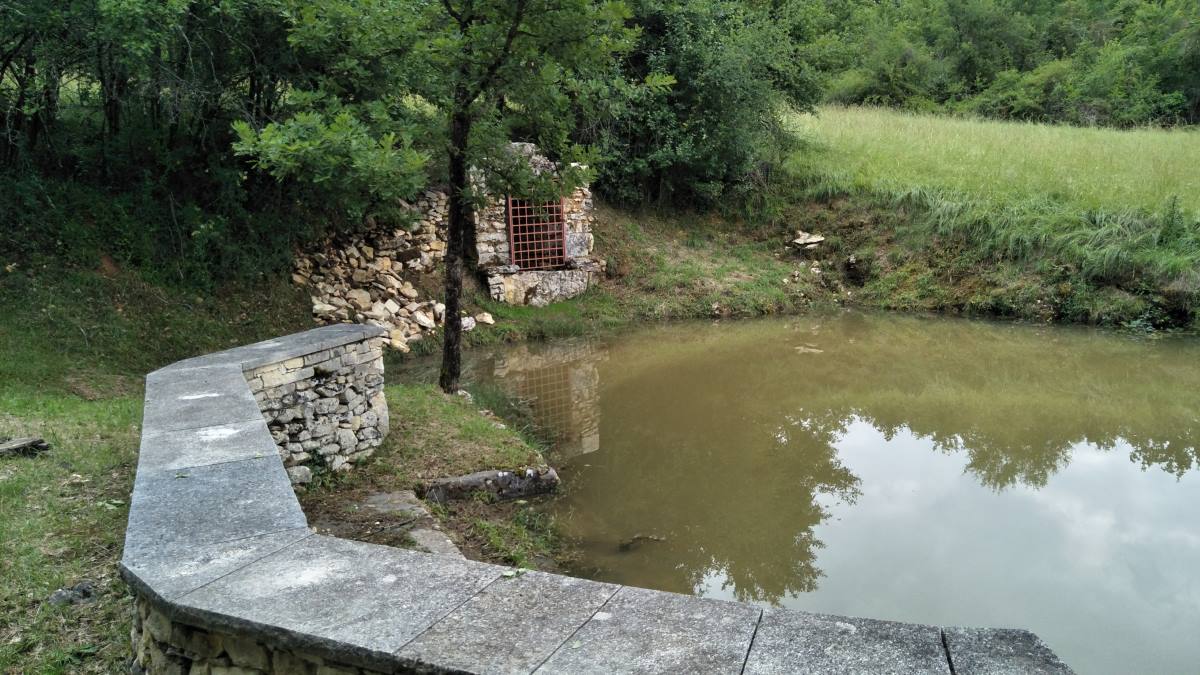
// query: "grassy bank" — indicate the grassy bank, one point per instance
point(433, 436)
point(1060, 223)
point(76, 345)
point(662, 267)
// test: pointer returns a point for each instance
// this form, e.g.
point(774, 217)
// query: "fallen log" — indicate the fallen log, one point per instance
point(500, 485)
point(23, 447)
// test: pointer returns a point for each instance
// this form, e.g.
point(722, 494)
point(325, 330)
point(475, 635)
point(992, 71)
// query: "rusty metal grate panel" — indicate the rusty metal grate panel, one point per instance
point(537, 234)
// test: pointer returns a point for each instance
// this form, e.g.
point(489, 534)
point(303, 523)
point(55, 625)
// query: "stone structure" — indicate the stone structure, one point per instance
point(508, 282)
point(368, 279)
point(326, 407)
point(230, 580)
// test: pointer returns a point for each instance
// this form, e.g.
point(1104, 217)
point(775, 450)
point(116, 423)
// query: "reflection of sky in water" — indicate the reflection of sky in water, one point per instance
point(1117, 552)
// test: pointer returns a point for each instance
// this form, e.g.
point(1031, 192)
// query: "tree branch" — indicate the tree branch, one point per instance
point(8, 58)
point(513, 29)
point(458, 17)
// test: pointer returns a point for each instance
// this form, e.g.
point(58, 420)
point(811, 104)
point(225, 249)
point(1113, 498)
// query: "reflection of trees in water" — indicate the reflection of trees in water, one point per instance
point(763, 506)
point(724, 442)
point(721, 481)
point(1015, 400)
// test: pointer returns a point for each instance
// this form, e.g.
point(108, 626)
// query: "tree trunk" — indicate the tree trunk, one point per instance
point(461, 224)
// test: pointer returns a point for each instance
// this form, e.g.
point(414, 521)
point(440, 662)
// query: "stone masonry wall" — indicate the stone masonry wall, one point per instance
point(165, 647)
point(369, 278)
point(325, 409)
point(512, 285)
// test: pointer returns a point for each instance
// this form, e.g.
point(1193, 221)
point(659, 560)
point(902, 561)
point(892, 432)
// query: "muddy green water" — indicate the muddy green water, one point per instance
point(929, 470)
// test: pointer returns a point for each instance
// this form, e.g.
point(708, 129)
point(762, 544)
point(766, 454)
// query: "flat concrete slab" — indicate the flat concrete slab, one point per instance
point(172, 450)
point(359, 603)
point(1001, 651)
point(198, 397)
point(174, 570)
point(644, 631)
point(514, 625)
point(800, 642)
point(212, 504)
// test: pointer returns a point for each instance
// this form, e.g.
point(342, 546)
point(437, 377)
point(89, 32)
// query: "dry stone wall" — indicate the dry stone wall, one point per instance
point(369, 278)
point(325, 409)
point(163, 646)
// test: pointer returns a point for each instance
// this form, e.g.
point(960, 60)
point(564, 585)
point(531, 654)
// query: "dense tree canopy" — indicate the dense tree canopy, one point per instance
point(1109, 62)
point(216, 136)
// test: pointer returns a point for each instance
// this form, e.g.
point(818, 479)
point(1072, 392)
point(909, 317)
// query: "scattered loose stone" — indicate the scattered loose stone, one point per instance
point(806, 241)
point(434, 541)
point(485, 318)
point(84, 591)
point(359, 298)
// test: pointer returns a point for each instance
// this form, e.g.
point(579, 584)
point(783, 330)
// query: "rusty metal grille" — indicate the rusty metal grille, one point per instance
point(537, 234)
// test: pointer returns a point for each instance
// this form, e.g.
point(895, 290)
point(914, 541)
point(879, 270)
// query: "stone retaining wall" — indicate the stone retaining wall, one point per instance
point(161, 645)
point(230, 580)
point(325, 409)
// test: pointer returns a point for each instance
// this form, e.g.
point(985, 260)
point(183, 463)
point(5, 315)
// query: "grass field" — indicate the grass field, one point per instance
point(1005, 162)
point(1103, 208)
point(75, 345)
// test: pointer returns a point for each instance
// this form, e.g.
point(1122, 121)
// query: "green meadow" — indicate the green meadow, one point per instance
point(1105, 207)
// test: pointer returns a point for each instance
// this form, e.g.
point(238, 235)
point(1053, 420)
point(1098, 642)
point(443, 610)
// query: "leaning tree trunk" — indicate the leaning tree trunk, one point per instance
point(461, 223)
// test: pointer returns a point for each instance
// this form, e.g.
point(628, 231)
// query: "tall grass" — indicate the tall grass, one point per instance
point(1092, 169)
point(1113, 206)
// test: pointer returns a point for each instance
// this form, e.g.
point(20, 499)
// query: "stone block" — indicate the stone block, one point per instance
point(246, 652)
point(799, 642)
point(317, 357)
point(189, 399)
point(167, 451)
point(644, 631)
point(512, 626)
point(347, 440)
point(1001, 651)
point(357, 603)
point(211, 504)
point(287, 663)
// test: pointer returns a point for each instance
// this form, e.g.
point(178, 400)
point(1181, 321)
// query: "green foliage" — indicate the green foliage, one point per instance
point(340, 157)
point(1090, 62)
point(716, 74)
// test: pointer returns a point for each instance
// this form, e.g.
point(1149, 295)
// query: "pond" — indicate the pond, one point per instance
point(930, 470)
